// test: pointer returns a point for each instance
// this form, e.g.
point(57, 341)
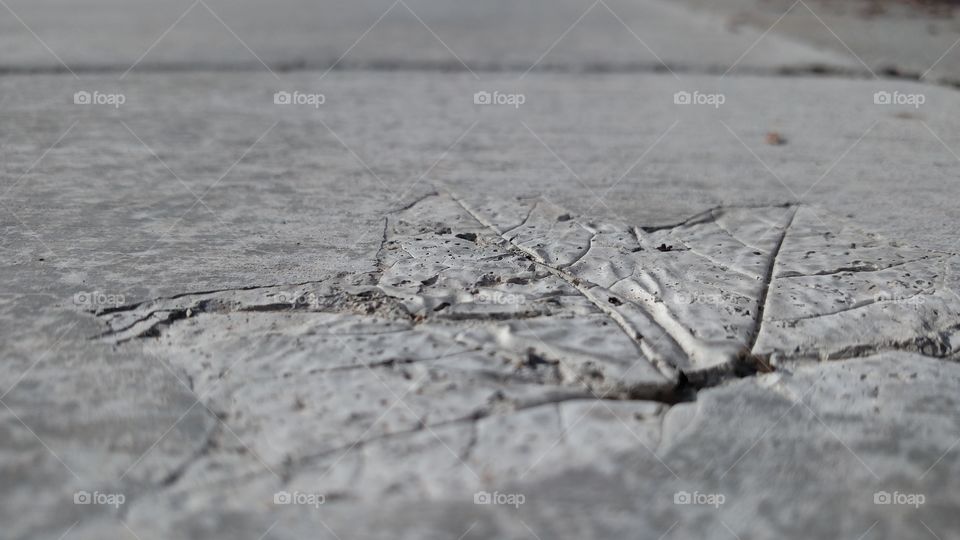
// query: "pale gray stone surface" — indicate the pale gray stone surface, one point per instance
point(917, 40)
point(867, 37)
point(400, 299)
point(803, 451)
point(568, 35)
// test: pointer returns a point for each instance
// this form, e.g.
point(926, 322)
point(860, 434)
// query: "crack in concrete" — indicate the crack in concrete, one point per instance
point(650, 306)
point(414, 288)
point(855, 306)
point(854, 269)
point(768, 281)
point(577, 284)
point(417, 292)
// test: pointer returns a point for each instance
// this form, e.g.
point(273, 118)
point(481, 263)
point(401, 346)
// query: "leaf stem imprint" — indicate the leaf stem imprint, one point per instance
point(768, 281)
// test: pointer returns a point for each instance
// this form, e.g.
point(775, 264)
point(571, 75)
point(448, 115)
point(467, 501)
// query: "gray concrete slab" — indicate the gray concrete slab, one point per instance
point(887, 38)
point(568, 35)
point(177, 352)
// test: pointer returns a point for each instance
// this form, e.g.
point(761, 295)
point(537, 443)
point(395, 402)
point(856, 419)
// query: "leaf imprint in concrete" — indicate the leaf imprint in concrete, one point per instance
point(523, 288)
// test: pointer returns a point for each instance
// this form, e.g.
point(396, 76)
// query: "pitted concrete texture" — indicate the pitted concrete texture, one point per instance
point(401, 314)
point(816, 449)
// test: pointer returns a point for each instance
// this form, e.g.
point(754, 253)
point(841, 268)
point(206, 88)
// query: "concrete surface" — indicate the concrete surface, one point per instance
point(564, 35)
point(914, 40)
point(591, 312)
